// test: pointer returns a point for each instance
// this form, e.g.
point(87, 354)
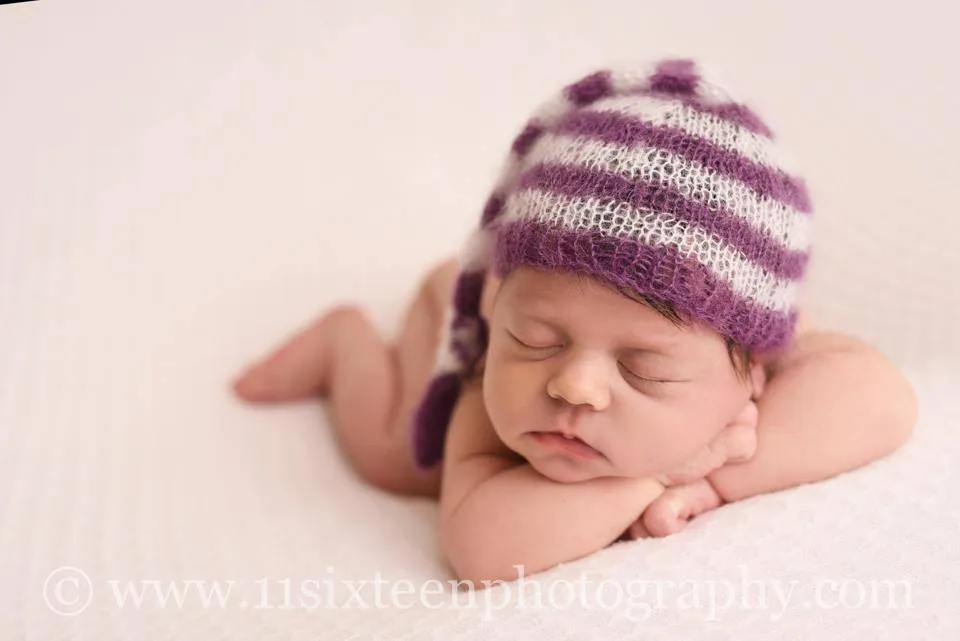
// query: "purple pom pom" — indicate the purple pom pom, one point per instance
point(432, 419)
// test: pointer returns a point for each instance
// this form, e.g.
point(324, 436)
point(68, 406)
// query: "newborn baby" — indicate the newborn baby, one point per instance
point(618, 348)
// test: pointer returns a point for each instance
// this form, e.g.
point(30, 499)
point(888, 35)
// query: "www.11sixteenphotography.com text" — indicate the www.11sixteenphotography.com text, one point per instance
point(69, 591)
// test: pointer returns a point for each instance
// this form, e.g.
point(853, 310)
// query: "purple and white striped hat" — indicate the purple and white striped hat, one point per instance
point(655, 181)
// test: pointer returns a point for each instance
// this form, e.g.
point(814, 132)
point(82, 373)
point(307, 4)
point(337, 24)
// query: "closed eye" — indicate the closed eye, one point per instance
point(528, 345)
point(626, 370)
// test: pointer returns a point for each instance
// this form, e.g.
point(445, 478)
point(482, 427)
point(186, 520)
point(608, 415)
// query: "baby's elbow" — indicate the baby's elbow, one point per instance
point(479, 573)
point(893, 397)
point(475, 564)
point(904, 410)
point(474, 558)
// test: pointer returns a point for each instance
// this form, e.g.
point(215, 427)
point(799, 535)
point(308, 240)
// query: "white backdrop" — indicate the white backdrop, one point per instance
point(184, 183)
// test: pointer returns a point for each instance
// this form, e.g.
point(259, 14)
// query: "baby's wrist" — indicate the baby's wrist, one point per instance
point(711, 486)
point(650, 487)
point(635, 491)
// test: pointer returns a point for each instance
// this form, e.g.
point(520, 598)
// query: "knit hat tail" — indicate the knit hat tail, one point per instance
point(651, 179)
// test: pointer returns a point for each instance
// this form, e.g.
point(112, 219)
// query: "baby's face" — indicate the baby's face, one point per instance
point(569, 357)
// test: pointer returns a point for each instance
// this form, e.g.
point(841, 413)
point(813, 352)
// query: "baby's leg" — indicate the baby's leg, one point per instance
point(372, 386)
point(363, 387)
point(375, 388)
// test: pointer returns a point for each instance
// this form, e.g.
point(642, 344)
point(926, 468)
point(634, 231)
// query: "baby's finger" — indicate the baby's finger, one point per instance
point(638, 531)
point(741, 438)
point(662, 518)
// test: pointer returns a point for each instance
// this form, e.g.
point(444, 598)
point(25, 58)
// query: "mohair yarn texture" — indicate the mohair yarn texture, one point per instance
point(652, 179)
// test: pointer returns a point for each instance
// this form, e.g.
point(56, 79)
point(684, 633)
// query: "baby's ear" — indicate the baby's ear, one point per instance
point(491, 287)
point(758, 378)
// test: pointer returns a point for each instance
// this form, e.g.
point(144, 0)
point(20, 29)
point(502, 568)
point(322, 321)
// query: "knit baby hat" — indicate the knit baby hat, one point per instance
point(655, 181)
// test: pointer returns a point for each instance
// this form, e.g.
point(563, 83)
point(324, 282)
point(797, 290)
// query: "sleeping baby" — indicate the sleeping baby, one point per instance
point(618, 348)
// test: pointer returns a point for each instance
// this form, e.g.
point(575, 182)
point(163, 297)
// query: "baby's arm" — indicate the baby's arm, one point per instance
point(832, 404)
point(497, 512)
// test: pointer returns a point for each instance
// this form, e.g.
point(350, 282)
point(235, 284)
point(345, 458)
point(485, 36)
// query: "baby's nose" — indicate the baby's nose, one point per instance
point(582, 381)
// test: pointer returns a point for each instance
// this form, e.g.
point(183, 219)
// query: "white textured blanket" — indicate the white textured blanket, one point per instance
point(185, 183)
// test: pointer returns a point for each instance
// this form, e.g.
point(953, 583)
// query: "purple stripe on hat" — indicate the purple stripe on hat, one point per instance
point(675, 77)
point(524, 141)
point(736, 113)
point(767, 182)
point(732, 112)
point(466, 296)
point(492, 209)
point(463, 352)
point(589, 89)
point(432, 419)
point(659, 272)
point(579, 182)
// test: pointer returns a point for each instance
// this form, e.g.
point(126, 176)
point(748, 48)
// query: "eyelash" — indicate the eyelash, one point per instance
point(625, 369)
point(528, 346)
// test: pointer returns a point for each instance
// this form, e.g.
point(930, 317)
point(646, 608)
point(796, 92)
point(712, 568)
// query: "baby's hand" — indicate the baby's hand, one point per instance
point(688, 492)
point(671, 511)
point(736, 443)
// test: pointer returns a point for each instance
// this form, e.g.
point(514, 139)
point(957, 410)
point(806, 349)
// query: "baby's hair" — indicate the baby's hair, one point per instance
point(740, 357)
point(657, 178)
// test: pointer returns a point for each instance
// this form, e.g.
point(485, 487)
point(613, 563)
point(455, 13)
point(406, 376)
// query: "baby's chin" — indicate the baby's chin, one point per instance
point(564, 470)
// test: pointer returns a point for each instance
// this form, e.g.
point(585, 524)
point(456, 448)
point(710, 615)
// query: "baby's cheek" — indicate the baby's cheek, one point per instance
point(513, 404)
point(686, 442)
point(661, 441)
point(504, 399)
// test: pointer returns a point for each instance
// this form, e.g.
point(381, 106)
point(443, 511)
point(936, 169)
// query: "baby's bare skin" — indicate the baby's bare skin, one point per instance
point(818, 414)
point(373, 386)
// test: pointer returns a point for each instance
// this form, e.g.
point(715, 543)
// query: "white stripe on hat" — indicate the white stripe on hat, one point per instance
point(721, 132)
point(790, 228)
point(622, 220)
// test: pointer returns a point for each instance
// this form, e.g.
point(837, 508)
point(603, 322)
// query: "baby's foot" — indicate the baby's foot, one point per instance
point(299, 368)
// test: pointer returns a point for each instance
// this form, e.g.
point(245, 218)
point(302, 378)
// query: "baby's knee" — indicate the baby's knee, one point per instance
point(345, 314)
point(443, 275)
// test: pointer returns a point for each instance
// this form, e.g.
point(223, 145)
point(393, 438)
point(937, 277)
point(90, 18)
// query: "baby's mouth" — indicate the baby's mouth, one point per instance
point(567, 443)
